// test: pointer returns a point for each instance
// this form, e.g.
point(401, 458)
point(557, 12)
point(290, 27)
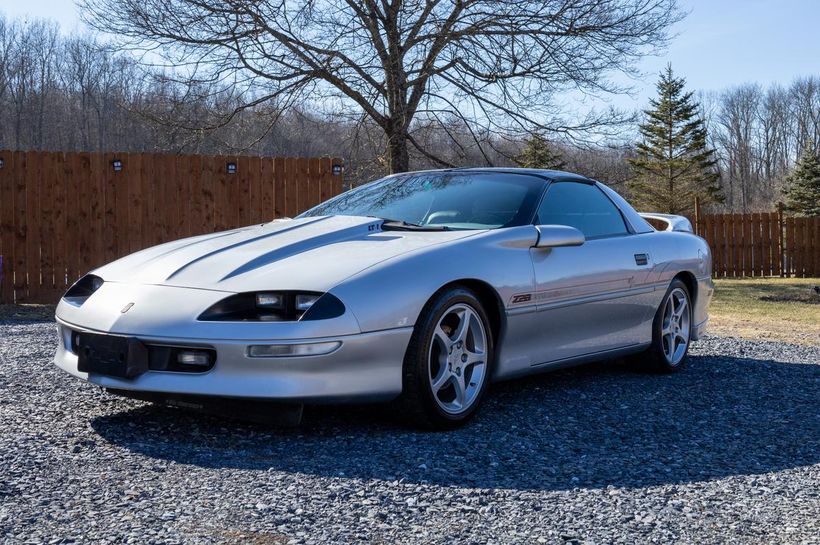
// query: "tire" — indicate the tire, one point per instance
point(671, 331)
point(448, 363)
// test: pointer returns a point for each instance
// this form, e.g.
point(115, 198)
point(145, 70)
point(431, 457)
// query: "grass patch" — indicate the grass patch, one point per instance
point(778, 309)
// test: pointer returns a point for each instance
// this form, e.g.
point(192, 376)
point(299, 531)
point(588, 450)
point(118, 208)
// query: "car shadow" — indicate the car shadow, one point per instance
point(588, 427)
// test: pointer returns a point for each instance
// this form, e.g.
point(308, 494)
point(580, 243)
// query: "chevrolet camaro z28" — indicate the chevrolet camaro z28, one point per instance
point(419, 288)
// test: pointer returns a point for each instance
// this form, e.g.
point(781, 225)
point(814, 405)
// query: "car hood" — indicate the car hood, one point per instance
point(314, 253)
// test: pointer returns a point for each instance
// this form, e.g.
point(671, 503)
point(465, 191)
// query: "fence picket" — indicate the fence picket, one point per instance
point(7, 187)
point(816, 251)
point(718, 244)
point(46, 223)
point(32, 212)
point(279, 187)
point(802, 245)
point(766, 243)
point(292, 187)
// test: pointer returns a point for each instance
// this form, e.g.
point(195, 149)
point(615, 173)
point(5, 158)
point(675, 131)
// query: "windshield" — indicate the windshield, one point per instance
point(453, 200)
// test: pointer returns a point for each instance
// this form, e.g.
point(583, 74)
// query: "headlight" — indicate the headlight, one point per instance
point(83, 289)
point(270, 300)
point(275, 306)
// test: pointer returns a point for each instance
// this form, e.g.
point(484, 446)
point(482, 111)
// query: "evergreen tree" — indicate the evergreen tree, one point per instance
point(802, 191)
point(539, 153)
point(673, 164)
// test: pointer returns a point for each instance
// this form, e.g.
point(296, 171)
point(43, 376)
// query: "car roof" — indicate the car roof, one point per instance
point(556, 175)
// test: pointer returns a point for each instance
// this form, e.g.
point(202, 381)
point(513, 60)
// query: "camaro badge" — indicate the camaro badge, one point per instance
point(127, 308)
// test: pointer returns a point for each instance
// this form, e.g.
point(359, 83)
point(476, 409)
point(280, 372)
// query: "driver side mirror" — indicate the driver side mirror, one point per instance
point(554, 236)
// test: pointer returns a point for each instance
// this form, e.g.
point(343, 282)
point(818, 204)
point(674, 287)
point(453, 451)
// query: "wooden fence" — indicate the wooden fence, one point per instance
point(761, 244)
point(63, 214)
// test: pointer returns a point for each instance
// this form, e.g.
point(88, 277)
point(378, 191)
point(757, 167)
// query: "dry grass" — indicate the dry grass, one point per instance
point(738, 309)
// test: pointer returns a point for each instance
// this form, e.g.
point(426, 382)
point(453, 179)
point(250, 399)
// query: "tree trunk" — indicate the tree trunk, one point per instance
point(397, 151)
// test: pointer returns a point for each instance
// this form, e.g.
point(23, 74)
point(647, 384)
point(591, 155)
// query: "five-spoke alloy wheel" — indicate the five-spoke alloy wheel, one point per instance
point(675, 326)
point(448, 362)
point(458, 358)
point(671, 330)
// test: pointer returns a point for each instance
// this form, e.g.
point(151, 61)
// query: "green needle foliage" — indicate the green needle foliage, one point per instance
point(802, 190)
point(539, 153)
point(673, 165)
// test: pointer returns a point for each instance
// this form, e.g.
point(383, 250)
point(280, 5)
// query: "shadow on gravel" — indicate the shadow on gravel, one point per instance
point(589, 427)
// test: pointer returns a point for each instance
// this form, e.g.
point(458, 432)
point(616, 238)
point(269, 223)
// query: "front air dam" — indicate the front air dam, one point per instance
point(259, 411)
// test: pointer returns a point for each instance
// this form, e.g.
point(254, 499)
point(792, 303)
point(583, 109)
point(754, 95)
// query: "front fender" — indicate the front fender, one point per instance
point(393, 293)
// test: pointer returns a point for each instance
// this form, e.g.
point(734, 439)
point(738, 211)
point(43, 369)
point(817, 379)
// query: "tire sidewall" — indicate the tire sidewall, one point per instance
point(425, 330)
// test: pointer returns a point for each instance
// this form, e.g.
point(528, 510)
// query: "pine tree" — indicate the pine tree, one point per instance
point(802, 190)
point(539, 153)
point(673, 164)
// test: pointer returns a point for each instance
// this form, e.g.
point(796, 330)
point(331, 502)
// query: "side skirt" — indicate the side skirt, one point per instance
point(576, 360)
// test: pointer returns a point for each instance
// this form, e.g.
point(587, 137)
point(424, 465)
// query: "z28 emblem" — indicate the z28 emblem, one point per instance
point(523, 298)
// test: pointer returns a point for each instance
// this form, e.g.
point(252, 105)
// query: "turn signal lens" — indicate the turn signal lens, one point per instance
point(292, 350)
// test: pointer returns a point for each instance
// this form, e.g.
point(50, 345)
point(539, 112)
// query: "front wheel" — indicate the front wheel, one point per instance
point(671, 330)
point(447, 365)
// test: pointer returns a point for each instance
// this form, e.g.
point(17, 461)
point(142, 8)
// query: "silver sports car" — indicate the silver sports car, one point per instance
point(419, 288)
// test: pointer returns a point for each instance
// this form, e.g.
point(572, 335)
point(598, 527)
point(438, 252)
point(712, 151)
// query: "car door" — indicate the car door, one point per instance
point(595, 297)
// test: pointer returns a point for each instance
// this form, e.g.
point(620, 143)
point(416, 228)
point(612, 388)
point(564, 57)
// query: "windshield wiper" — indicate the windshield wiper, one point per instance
point(400, 225)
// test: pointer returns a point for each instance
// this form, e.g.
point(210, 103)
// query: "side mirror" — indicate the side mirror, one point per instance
point(553, 236)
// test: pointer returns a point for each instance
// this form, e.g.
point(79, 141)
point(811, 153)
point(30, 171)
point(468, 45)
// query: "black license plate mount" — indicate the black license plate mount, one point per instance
point(112, 355)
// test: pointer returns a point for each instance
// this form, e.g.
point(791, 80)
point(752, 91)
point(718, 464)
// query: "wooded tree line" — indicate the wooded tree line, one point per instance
point(760, 133)
point(74, 93)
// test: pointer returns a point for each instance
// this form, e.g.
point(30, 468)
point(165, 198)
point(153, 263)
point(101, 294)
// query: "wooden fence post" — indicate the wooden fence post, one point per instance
point(781, 245)
point(697, 216)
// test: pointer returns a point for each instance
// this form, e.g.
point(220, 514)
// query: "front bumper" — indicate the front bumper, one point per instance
point(367, 366)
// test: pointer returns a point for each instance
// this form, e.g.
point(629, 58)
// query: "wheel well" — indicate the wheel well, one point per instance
point(490, 300)
point(691, 283)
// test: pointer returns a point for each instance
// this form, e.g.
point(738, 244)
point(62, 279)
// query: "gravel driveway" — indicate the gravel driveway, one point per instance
point(726, 451)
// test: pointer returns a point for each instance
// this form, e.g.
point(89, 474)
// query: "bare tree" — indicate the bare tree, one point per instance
point(493, 64)
point(738, 117)
point(805, 103)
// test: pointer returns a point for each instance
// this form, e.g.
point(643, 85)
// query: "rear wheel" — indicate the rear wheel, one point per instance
point(448, 362)
point(671, 331)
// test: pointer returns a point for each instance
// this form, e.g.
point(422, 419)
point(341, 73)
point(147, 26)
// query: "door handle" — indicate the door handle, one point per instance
point(642, 259)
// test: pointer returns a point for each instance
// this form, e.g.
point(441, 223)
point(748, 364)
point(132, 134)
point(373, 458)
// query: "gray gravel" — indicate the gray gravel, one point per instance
point(726, 451)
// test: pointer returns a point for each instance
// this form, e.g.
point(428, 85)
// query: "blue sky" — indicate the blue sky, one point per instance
point(720, 44)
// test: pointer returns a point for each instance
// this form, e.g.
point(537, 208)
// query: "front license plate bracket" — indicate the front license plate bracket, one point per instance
point(112, 355)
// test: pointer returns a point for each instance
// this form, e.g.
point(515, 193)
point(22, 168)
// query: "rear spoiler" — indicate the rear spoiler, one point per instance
point(669, 222)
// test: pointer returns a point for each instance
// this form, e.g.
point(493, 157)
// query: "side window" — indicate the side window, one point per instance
point(582, 206)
